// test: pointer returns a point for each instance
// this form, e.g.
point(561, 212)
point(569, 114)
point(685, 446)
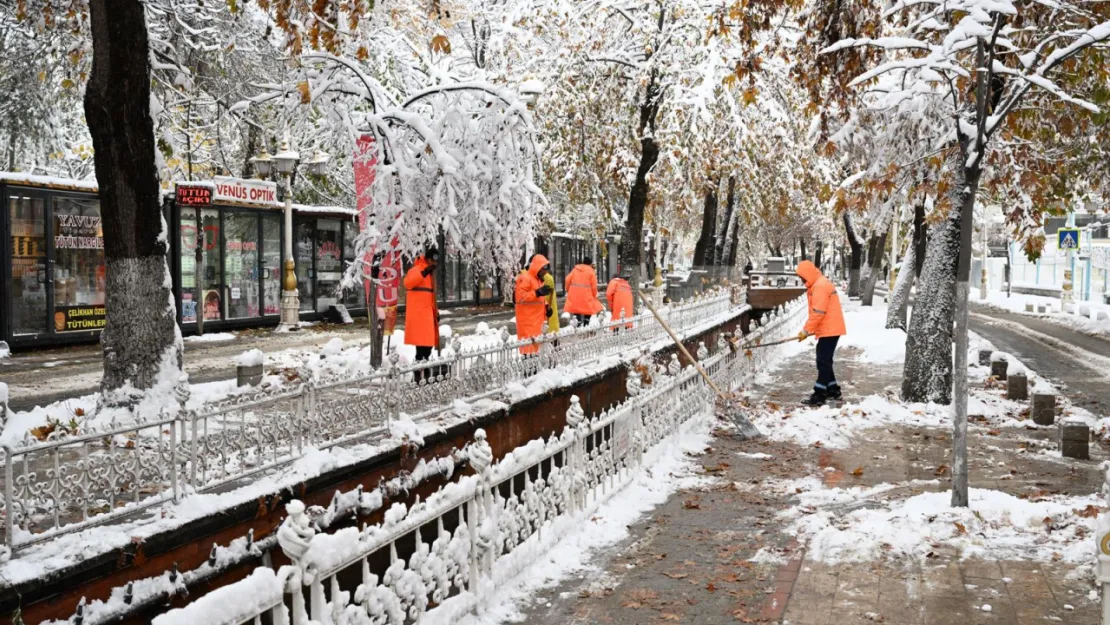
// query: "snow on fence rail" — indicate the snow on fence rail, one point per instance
point(69, 483)
point(477, 533)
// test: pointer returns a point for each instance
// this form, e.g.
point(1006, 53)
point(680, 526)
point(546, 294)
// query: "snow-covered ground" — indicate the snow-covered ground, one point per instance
point(1077, 320)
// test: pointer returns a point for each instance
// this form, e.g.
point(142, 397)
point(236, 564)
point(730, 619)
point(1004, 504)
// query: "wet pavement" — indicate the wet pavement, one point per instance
point(695, 559)
point(1075, 362)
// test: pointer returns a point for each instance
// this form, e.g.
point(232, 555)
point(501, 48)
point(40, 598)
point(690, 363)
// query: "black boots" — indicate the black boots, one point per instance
point(834, 391)
point(817, 398)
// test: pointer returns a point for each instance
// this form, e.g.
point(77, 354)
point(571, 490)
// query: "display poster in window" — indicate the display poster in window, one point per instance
point(211, 305)
point(76, 318)
point(188, 308)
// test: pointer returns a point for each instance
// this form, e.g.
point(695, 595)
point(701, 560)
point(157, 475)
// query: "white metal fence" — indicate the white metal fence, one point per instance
point(478, 532)
point(69, 483)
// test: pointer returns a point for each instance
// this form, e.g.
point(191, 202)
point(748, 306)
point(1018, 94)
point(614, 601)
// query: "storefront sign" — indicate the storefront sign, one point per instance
point(70, 318)
point(78, 232)
point(190, 196)
point(239, 190)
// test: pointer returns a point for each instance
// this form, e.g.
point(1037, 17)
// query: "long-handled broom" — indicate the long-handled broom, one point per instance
point(747, 429)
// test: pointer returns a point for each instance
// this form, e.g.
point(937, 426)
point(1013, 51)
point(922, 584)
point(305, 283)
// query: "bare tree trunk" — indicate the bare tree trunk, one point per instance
point(920, 237)
point(632, 241)
point(805, 256)
point(703, 250)
point(927, 374)
point(728, 226)
point(141, 342)
point(857, 257)
point(900, 292)
point(875, 255)
point(818, 248)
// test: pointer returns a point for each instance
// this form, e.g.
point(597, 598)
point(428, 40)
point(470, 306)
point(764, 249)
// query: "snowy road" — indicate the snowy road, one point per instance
point(32, 377)
point(1076, 362)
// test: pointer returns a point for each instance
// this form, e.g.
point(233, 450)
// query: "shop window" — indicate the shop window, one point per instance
point(28, 292)
point(212, 274)
point(241, 264)
point(450, 278)
point(271, 264)
point(353, 297)
point(466, 281)
point(303, 247)
point(329, 263)
point(187, 230)
point(79, 279)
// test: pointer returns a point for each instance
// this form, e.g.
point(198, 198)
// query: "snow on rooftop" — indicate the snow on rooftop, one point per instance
point(52, 182)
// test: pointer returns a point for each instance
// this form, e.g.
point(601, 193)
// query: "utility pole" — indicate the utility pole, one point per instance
point(983, 260)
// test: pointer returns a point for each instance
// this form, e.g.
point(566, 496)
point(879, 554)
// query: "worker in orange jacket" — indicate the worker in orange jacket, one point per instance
point(826, 322)
point(581, 288)
point(619, 296)
point(531, 302)
point(421, 312)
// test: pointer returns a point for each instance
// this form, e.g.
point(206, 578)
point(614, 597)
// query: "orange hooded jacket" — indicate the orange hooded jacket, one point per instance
point(619, 296)
point(581, 286)
point(825, 315)
point(530, 308)
point(421, 313)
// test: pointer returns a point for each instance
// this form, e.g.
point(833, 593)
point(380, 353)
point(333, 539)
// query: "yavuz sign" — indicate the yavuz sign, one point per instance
point(249, 191)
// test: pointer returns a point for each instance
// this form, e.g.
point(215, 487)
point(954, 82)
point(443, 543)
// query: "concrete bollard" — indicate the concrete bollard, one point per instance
point(1102, 316)
point(998, 369)
point(248, 375)
point(248, 368)
point(1017, 387)
point(1084, 310)
point(1043, 409)
point(985, 358)
point(1029, 307)
point(1074, 439)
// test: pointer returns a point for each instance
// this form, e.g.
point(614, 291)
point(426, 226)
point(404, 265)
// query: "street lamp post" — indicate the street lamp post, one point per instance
point(284, 163)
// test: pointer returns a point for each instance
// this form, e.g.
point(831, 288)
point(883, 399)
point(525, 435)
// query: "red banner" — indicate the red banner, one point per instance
point(389, 272)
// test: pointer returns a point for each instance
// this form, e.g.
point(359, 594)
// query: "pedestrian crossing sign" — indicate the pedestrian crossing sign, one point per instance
point(1068, 238)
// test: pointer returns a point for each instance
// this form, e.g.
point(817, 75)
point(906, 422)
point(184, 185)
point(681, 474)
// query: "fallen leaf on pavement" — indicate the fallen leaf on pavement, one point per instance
point(676, 575)
point(941, 470)
point(1089, 512)
point(858, 471)
point(691, 504)
point(710, 587)
point(960, 529)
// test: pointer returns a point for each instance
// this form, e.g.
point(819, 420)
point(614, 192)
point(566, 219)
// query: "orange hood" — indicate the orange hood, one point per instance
point(808, 271)
point(537, 263)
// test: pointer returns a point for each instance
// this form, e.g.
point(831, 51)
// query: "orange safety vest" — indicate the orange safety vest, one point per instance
point(530, 308)
point(619, 296)
point(826, 318)
point(421, 312)
point(581, 287)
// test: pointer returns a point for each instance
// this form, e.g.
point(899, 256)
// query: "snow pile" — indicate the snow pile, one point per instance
point(835, 427)
point(251, 358)
point(867, 332)
point(5, 351)
point(996, 526)
point(230, 604)
point(214, 337)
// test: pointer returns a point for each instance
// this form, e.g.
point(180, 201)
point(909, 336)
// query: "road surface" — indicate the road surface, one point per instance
point(1076, 363)
point(45, 376)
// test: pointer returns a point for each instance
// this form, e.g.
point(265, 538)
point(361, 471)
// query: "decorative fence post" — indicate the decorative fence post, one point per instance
point(482, 542)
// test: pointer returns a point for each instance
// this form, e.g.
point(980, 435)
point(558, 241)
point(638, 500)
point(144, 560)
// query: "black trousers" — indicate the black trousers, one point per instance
point(423, 353)
point(826, 347)
point(583, 320)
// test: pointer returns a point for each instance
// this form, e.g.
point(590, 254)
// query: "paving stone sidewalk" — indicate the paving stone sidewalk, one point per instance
point(718, 554)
